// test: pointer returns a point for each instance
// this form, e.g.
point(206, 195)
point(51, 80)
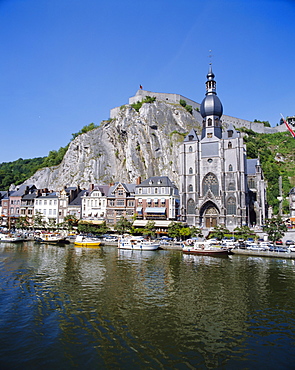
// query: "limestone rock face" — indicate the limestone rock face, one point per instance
point(133, 144)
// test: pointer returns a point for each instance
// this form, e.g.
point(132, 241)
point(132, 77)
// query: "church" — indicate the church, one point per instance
point(218, 184)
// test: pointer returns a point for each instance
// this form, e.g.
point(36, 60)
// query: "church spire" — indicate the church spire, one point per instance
point(211, 109)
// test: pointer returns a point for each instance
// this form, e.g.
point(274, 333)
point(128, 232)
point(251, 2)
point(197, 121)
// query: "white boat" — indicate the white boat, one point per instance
point(205, 248)
point(86, 241)
point(10, 238)
point(51, 238)
point(137, 243)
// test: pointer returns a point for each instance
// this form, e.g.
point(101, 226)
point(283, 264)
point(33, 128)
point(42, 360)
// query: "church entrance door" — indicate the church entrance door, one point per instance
point(211, 217)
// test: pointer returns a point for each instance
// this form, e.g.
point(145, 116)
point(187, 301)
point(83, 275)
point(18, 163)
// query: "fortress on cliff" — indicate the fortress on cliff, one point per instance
point(226, 120)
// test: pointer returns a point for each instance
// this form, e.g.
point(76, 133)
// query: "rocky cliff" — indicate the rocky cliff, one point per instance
point(132, 144)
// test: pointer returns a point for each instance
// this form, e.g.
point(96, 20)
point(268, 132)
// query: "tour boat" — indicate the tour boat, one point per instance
point(52, 238)
point(86, 241)
point(205, 249)
point(10, 238)
point(137, 243)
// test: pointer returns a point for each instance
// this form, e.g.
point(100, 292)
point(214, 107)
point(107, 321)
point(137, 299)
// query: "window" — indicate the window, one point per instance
point(230, 133)
point(120, 192)
point(190, 171)
point(190, 187)
point(45, 202)
point(120, 202)
point(230, 167)
point(190, 206)
point(209, 121)
point(190, 149)
point(156, 190)
point(230, 145)
point(210, 182)
point(251, 183)
point(231, 186)
point(50, 202)
point(140, 191)
point(209, 135)
point(231, 206)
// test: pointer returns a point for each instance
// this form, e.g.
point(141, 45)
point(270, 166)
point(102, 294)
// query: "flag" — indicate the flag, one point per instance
point(288, 126)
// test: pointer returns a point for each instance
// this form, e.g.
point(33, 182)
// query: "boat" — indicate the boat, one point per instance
point(86, 241)
point(10, 238)
point(137, 243)
point(51, 239)
point(205, 248)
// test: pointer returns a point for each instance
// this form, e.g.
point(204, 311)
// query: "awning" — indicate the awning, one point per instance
point(91, 222)
point(155, 210)
point(158, 223)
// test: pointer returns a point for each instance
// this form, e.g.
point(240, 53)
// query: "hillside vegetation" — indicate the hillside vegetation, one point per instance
point(18, 171)
point(277, 157)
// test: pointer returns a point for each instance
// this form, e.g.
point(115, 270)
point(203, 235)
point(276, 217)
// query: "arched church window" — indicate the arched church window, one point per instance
point(230, 167)
point(210, 182)
point(251, 183)
point(209, 121)
point(230, 145)
point(231, 206)
point(190, 187)
point(190, 149)
point(190, 171)
point(231, 186)
point(190, 206)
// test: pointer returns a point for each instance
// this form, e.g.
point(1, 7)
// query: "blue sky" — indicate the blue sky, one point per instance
point(66, 63)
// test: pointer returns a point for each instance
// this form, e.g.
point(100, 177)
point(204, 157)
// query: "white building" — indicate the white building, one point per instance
point(94, 203)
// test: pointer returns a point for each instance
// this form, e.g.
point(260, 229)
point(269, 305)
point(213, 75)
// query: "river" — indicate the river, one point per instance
point(67, 307)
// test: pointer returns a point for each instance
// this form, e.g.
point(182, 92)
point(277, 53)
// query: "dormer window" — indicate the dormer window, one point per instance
point(209, 121)
point(230, 133)
point(190, 137)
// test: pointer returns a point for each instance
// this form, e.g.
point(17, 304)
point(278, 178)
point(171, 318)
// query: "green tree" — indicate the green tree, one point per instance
point(70, 221)
point(243, 232)
point(175, 230)
point(123, 225)
point(149, 229)
point(22, 223)
point(219, 231)
point(38, 220)
point(275, 228)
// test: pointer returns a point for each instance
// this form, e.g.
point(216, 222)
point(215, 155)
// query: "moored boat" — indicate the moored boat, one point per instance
point(10, 238)
point(86, 241)
point(51, 238)
point(205, 249)
point(137, 243)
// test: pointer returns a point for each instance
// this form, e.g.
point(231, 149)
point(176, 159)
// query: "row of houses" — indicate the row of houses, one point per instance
point(156, 198)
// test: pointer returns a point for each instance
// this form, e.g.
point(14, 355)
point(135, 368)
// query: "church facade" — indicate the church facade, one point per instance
point(218, 184)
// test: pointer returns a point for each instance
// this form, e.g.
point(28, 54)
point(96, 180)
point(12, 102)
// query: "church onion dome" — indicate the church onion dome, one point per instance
point(211, 105)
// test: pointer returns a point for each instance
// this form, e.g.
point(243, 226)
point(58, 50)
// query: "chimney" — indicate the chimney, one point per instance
point(91, 187)
point(138, 180)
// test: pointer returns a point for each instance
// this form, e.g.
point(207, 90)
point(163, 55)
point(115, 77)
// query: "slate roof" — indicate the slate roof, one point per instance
point(156, 180)
point(78, 201)
point(251, 163)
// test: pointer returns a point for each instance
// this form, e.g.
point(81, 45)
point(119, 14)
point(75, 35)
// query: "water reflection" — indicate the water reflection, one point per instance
point(110, 308)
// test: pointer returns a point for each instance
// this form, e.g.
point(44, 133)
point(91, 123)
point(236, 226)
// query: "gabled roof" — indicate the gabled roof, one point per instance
point(129, 188)
point(191, 136)
point(22, 190)
point(78, 201)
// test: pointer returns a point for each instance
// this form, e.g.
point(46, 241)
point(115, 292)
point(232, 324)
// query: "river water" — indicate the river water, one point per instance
point(67, 307)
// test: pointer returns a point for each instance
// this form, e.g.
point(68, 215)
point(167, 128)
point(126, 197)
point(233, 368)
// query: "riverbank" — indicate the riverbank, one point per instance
point(248, 252)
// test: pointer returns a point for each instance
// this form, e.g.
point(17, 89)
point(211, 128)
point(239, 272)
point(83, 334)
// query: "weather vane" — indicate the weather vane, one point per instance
point(210, 57)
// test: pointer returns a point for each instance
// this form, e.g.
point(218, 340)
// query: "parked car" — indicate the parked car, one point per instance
point(278, 249)
point(279, 242)
point(290, 242)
